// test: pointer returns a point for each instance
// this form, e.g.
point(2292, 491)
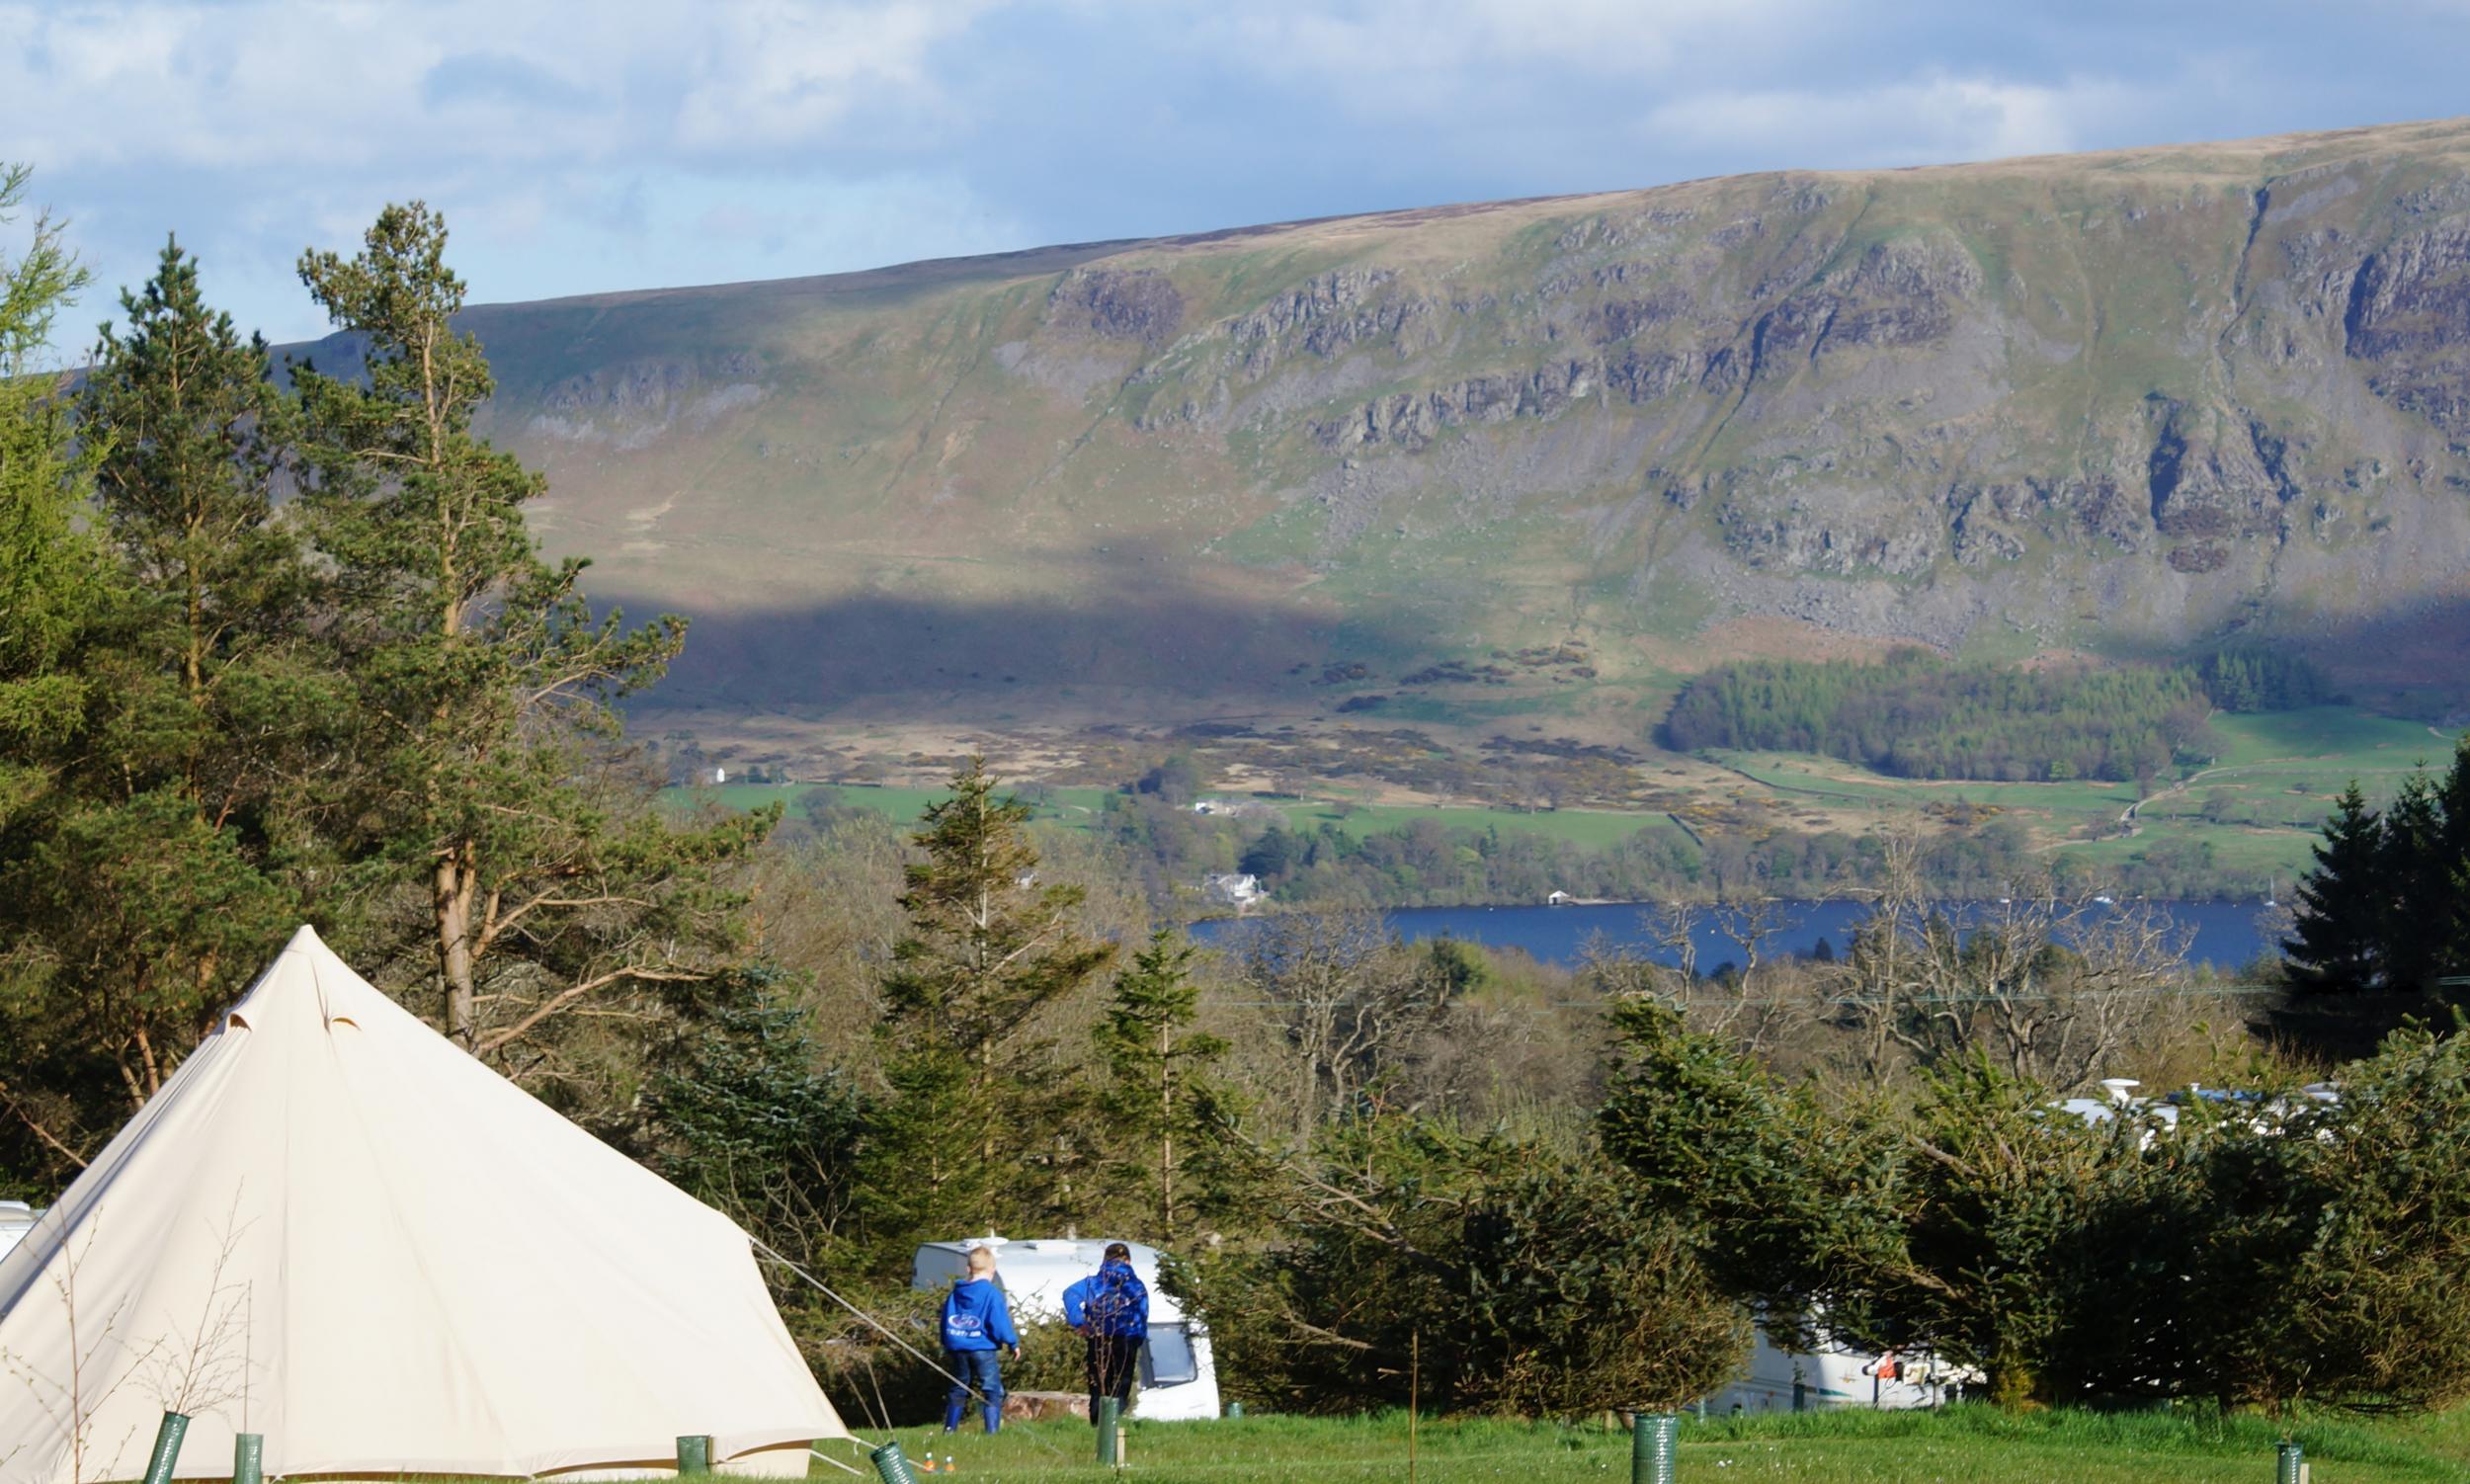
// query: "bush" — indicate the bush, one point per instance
point(2262, 1251)
point(1531, 1279)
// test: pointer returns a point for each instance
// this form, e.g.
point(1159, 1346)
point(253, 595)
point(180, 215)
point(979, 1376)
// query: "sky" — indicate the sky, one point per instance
point(641, 143)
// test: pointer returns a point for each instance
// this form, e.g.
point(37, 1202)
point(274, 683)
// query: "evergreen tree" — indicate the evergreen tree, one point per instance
point(489, 774)
point(52, 583)
point(2449, 883)
point(2417, 884)
point(973, 1118)
point(50, 573)
point(159, 864)
point(2338, 935)
point(1161, 1094)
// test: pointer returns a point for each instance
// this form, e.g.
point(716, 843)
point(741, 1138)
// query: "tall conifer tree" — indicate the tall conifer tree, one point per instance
point(2417, 881)
point(972, 1133)
point(488, 776)
point(1161, 1089)
point(159, 867)
point(2344, 905)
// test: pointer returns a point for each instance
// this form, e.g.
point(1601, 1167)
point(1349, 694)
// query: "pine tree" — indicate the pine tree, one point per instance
point(2418, 879)
point(2449, 886)
point(155, 872)
point(966, 1138)
point(54, 581)
point(2338, 936)
point(488, 773)
point(51, 576)
point(1161, 1093)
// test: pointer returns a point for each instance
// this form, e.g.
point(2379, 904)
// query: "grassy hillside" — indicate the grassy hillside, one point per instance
point(2121, 403)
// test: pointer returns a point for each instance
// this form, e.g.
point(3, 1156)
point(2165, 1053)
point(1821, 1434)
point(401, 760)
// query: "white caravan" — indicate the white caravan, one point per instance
point(1832, 1376)
point(1179, 1380)
point(17, 1218)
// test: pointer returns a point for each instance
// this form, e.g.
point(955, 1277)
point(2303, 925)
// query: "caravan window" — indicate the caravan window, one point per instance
point(1167, 1360)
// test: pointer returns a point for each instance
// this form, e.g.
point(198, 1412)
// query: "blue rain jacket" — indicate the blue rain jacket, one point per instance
point(975, 1317)
point(1111, 1301)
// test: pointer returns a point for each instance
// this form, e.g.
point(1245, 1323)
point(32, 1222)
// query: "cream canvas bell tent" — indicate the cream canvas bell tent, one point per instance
point(335, 1229)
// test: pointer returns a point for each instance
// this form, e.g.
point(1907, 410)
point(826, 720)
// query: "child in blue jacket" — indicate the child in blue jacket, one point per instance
point(1110, 1309)
point(977, 1328)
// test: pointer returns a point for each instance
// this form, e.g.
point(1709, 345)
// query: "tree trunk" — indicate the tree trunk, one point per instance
point(1166, 1127)
point(451, 907)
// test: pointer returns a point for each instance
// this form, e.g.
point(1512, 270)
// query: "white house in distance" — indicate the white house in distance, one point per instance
point(1558, 899)
point(1233, 889)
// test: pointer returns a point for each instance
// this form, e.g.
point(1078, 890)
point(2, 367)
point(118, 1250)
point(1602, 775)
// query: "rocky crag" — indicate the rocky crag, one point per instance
point(2126, 403)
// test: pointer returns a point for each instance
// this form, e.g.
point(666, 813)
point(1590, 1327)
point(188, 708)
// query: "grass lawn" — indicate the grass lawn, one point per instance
point(1961, 1444)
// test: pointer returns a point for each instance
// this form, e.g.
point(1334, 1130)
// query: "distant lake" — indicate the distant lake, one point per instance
point(2227, 935)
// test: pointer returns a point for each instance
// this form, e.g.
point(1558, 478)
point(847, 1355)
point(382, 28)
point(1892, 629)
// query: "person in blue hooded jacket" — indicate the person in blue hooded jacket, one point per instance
point(1110, 1309)
point(977, 1329)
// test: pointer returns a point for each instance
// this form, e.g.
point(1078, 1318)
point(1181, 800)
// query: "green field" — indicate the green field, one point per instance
point(1075, 808)
point(2257, 804)
point(1971, 1444)
point(1592, 829)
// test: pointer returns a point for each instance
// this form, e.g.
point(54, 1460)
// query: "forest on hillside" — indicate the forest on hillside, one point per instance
point(1918, 715)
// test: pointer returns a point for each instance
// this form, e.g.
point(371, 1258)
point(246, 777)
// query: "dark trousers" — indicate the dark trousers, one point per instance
point(1112, 1360)
point(983, 1370)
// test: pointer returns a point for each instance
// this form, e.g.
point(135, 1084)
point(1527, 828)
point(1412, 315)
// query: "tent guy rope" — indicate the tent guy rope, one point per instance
point(878, 1325)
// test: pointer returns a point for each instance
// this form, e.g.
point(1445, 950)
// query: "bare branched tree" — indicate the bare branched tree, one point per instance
point(75, 1397)
point(2053, 989)
point(1344, 1001)
point(1751, 1010)
point(198, 1367)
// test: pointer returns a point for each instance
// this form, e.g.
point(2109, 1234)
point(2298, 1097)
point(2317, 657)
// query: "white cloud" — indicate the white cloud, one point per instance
point(1898, 123)
point(283, 83)
point(580, 146)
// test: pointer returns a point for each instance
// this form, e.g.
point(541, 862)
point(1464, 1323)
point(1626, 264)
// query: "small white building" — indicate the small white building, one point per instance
point(1558, 899)
point(1179, 1380)
point(1233, 889)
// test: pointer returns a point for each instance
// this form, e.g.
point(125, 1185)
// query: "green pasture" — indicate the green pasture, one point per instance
point(2260, 852)
point(1973, 1444)
point(2329, 740)
point(1074, 807)
point(1836, 781)
point(1592, 829)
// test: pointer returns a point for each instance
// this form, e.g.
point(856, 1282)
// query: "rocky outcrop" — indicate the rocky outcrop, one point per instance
point(2208, 479)
point(2408, 318)
point(1139, 305)
point(1411, 420)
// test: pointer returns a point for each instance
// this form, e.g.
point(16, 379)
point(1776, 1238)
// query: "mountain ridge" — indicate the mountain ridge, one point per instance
point(2132, 403)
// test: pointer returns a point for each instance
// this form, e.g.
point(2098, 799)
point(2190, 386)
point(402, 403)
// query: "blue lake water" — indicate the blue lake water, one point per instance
point(2225, 935)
